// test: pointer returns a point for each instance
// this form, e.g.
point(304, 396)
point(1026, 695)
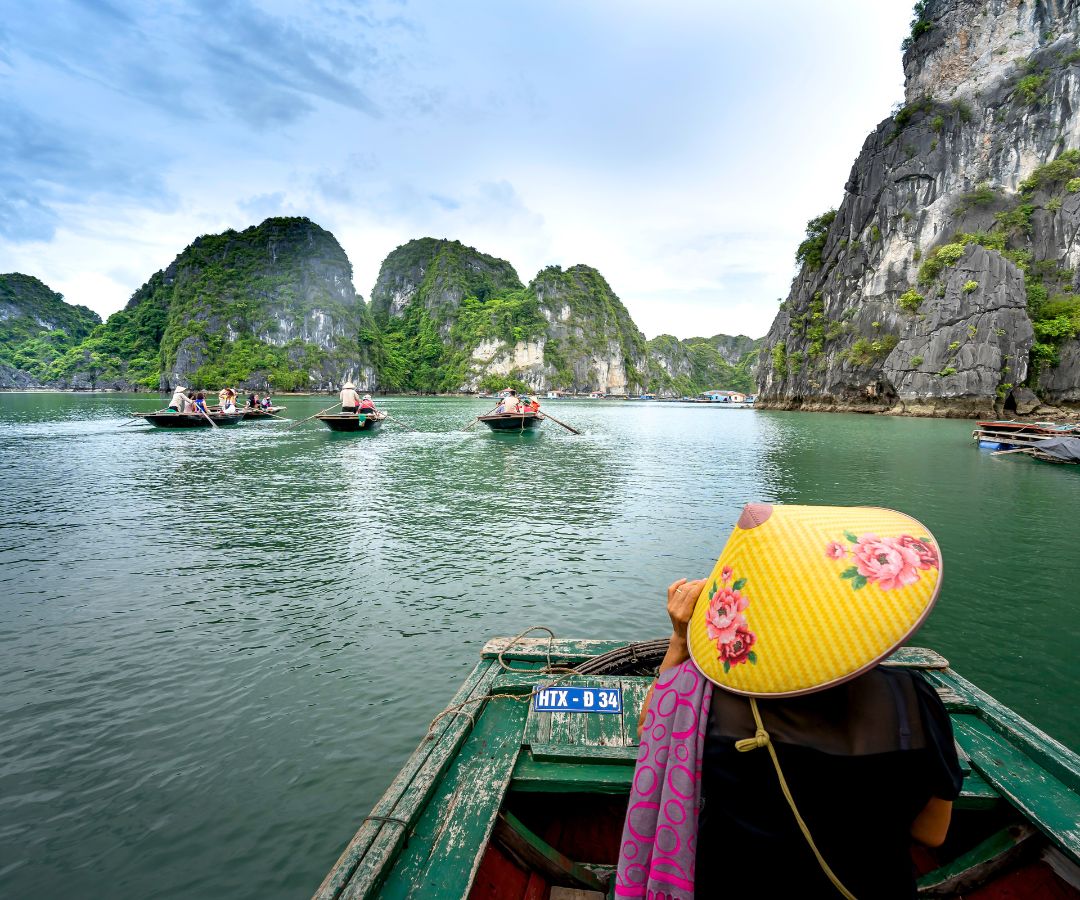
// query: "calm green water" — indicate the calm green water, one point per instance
point(216, 649)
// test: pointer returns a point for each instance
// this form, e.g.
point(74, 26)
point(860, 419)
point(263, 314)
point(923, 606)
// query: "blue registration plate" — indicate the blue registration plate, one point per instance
point(577, 699)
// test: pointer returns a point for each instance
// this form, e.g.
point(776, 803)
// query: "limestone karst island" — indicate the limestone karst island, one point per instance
point(554, 451)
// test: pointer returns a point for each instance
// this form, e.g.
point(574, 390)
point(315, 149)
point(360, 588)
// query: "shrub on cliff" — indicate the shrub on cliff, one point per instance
point(938, 260)
point(817, 231)
point(1062, 169)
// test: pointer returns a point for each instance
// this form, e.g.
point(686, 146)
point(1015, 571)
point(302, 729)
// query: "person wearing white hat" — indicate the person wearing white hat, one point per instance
point(350, 399)
point(367, 405)
point(180, 402)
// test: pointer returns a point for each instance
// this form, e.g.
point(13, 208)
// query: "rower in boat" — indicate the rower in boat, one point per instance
point(808, 751)
point(350, 399)
point(180, 402)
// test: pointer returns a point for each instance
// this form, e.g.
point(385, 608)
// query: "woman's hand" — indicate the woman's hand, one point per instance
point(681, 599)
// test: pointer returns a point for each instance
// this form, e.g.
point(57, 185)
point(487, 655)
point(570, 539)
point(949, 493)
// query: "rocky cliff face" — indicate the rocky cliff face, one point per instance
point(36, 328)
point(692, 366)
point(446, 317)
point(439, 275)
point(272, 306)
point(946, 279)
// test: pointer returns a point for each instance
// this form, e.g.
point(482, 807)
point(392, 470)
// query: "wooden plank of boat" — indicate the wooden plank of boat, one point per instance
point(383, 832)
point(351, 421)
point(258, 415)
point(514, 763)
point(187, 420)
point(512, 421)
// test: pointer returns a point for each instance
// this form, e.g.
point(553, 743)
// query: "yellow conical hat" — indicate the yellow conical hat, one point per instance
point(805, 597)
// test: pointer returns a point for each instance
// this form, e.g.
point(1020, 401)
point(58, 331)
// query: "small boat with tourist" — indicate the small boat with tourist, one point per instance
point(349, 422)
point(522, 421)
point(169, 419)
point(504, 801)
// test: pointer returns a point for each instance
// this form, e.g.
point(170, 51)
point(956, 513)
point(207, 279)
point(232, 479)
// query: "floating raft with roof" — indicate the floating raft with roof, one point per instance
point(351, 421)
point(501, 802)
point(1011, 434)
point(512, 421)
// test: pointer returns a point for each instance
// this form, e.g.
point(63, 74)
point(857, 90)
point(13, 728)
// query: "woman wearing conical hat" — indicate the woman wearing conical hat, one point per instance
point(778, 757)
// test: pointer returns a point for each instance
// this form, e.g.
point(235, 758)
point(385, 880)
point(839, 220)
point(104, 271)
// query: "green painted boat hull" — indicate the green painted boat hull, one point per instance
point(501, 801)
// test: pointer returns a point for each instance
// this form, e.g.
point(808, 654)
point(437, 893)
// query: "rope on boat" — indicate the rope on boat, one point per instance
point(455, 709)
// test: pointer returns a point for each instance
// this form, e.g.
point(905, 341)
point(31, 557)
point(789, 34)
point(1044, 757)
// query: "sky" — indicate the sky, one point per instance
point(677, 147)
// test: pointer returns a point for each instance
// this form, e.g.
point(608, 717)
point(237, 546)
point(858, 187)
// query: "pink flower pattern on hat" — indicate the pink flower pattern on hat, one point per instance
point(889, 562)
point(725, 621)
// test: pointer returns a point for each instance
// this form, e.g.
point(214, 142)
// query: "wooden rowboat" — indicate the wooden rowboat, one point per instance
point(169, 419)
point(512, 421)
point(501, 801)
point(351, 421)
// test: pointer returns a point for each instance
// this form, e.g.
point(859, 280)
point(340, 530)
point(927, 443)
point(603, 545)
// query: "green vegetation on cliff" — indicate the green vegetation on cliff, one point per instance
point(691, 367)
point(38, 326)
point(434, 302)
point(271, 305)
point(443, 315)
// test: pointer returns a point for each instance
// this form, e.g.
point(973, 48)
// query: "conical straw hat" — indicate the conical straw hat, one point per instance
point(806, 597)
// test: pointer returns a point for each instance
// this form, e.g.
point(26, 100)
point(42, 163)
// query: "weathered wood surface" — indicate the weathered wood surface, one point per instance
point(375, 842)
point(539, 856)
point(1050, 805)
point(573, 651)
point(1052, 755)
point(976, 867)
point(451, 835)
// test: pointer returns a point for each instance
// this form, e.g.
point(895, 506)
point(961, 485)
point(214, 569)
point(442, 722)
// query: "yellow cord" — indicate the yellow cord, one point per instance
point(761, 739)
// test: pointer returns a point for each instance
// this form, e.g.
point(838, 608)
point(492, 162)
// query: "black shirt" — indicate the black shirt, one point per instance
point(861, 759)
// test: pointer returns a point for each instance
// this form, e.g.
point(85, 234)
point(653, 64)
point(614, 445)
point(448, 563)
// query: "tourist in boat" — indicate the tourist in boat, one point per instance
point(350, 399)
point(253, 401)
point(771, 684)
point(267, 402)
point(180, 402)
point(510, 405)
point(367, 405)
point(200, 402)
point(532, 404)
point(228, 405)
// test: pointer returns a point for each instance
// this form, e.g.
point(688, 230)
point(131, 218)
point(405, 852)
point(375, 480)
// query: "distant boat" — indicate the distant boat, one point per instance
point(512, 421)
point(505, 800)
point(170, 419)
point(351, 421)
point(1006, 435)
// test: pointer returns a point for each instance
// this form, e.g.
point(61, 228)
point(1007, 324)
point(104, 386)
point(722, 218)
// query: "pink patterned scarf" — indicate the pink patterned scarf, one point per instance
point(659, 841)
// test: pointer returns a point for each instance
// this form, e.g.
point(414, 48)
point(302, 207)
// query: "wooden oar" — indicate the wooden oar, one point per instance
point(557, 422)
point(312, 416)
point(402, 424)
point(205, 416)
point(477, 419)
point(1017, 450)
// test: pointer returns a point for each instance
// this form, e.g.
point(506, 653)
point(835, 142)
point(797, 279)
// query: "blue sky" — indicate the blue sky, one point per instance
point(679, 147)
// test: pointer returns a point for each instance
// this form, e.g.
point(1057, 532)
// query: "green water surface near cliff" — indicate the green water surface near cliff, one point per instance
point(217, 648)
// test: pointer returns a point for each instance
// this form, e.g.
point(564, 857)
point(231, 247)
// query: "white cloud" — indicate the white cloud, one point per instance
point(678, 149)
